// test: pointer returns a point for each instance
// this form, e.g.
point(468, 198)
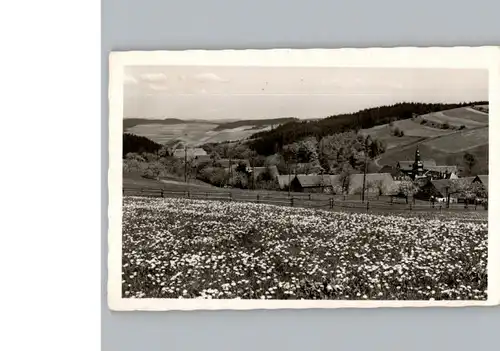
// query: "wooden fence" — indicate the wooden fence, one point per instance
point(304, 200)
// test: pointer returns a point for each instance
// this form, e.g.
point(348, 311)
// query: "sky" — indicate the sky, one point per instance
point(219, 93)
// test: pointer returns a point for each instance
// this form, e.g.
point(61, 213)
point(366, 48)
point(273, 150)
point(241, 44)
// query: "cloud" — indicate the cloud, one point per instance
point(209, 77)
point(158, 87)
point(129, 79)
point(153, 77)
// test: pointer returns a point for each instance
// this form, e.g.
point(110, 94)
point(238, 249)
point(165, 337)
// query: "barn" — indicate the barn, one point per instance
point(312, 183)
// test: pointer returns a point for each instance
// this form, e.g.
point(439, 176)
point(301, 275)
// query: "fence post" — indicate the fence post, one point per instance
point(440, 206)
point(367, 205)
point(185, 194)
point(230, 196)
point(258, 198)
point(162, 193)
point(123, 191)
point(410, 206)
point(291, 201)
point(392, 199)
point(309, 196)
point(189, 194)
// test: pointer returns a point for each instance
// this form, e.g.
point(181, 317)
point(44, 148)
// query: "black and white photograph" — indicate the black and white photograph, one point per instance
point(302, 182)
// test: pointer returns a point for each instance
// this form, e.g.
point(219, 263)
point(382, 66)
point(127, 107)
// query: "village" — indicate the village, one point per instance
point(420, 179)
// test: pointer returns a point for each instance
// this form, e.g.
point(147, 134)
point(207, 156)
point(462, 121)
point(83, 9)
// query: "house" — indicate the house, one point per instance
point(441, 172)
point(312, 183)
point(375, 183)
point(439, 189)
point(425, 169)
point(190, 153)
point(395, 172)
point(483, 179)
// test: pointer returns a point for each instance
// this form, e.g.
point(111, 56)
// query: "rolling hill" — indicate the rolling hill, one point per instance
point(197, 132)
point(445, 146)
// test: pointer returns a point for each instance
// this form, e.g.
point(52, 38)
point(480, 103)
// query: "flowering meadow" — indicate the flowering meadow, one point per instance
point(180, 248)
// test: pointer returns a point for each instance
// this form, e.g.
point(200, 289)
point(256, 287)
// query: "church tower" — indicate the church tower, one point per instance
point(418, 166)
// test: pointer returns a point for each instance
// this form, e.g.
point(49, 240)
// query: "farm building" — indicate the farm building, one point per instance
point(191, 153)
point(483, 179)
point(312, 183)
point(379, 183)
point(441, 188)
point(395, 172)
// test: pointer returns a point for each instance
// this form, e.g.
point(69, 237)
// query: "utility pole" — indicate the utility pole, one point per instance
point(364, 172)
point(253, 171)
point(185, 164)
point(289, 177)
point(230, 165)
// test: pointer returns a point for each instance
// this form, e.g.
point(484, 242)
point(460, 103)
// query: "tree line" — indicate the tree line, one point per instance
point(269, 142)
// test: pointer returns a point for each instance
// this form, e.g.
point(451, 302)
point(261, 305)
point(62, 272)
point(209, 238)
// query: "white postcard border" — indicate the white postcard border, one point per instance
point(410, 57)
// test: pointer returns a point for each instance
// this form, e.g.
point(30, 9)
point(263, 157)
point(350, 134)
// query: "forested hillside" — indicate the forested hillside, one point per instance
point(270, 142)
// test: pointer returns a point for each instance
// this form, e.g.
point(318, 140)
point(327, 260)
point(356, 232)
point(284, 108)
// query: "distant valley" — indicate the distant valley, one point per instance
point(197, 132)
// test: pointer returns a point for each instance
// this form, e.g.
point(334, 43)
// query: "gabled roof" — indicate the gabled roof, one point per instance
point(468, 179)
point(308, 181)
point(441, 185)
point(483, 179)
point(408, 165)
point(442, 169)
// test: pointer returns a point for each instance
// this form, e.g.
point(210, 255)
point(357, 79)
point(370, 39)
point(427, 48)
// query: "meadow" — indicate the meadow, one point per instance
point(456, 117)
point(181, 248)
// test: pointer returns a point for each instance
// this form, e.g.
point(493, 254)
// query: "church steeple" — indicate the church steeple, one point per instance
point(418, 167)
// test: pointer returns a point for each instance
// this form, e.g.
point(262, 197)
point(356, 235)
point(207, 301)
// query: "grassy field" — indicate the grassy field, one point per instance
point(461, 141)
point(468, 117)
point(179, 248)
